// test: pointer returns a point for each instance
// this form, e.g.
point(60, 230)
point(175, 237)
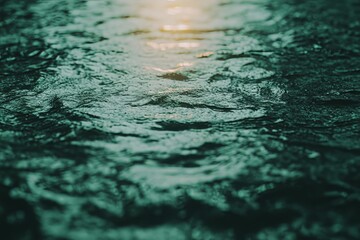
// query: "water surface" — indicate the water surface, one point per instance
point(218, 119)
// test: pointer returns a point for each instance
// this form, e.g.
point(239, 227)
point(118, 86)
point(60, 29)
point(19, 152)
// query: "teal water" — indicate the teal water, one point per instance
point(218, 119)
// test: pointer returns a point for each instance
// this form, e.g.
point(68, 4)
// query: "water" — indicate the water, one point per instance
point(218, 119)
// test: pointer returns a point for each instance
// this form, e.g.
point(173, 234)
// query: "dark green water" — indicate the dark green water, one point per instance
point(157, 120)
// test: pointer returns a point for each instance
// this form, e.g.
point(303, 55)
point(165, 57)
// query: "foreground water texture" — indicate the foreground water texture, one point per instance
point(156, 120)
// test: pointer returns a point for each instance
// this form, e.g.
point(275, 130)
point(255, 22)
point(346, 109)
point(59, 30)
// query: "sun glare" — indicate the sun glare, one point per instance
point(173, 25)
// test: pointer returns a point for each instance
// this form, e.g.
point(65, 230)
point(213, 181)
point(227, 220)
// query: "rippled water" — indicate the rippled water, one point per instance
point(217, 119)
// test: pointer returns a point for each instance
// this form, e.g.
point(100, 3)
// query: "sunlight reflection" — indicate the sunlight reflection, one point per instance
point(172, 45)
point(170, 51)
point(204, 55)
point(174, 10)
point(184, 11)
point(164, 70)
point(174, 16)
point(179, 27)
point(180, 66)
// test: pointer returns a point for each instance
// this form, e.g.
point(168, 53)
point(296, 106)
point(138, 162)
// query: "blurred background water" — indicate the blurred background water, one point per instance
point(179, 119)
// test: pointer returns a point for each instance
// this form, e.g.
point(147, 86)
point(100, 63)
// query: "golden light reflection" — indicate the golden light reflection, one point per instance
point(178, 27)
point(166, 20)
point(185, 64)
point(179, 67)
point(164, 70)
point(173, 16)
point(171, 45)
point(174, 10)
point(205, 55)
point(184, 11)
